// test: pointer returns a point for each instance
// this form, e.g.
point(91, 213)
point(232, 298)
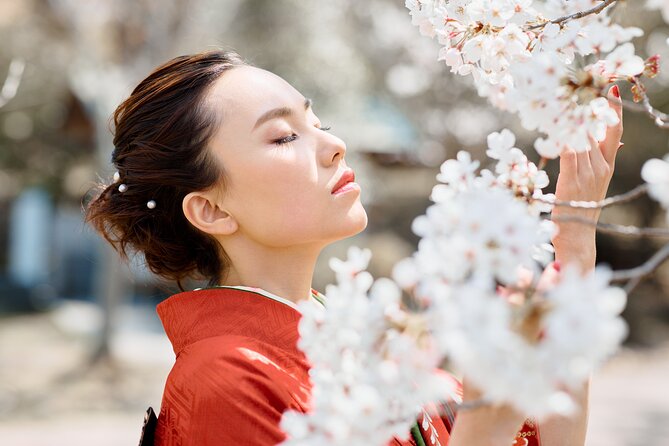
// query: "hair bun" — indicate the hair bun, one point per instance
point(160, 144)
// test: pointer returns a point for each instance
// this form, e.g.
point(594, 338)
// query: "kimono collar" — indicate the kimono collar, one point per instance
point(191, 316)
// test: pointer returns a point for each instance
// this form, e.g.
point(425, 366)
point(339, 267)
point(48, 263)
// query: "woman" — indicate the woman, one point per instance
point(226, 173)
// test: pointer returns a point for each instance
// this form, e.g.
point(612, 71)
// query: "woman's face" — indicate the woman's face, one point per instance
point(280, 166)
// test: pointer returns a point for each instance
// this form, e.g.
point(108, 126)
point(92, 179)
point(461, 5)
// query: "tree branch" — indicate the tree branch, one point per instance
point(661, 119)
point(579, 15)
point(616, 199)
point(11, 84)
point(635, 275)
point(609, 228)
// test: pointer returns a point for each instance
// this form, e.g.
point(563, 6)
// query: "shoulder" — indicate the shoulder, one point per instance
point(221, 365)
point(221, 390)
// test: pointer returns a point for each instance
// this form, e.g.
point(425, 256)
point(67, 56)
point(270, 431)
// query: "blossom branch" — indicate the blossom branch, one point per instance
point(445, 409)
point(609, 228)
point(12, 81)
point(578, 15)
point(660, 119)
point(616, 199)
point(642, 104)
point(635, 275)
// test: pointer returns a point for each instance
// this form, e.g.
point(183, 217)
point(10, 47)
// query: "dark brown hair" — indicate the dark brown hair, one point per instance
point(160, 151)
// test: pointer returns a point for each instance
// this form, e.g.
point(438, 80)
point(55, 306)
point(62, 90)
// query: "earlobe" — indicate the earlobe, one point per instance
point(205, 214)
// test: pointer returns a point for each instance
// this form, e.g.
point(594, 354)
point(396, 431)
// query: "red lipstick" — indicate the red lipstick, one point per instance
point(347, 177)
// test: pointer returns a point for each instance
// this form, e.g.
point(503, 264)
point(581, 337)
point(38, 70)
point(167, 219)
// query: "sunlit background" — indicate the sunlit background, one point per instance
point(82, 353)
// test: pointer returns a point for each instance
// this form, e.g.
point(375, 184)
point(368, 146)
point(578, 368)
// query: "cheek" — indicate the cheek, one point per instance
point(288, 184)
point(283, 201)
point(281, 198)
point(316, 220)
point(297, 204)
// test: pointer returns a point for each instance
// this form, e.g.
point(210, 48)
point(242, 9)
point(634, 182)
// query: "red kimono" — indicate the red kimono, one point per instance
point(238, 369)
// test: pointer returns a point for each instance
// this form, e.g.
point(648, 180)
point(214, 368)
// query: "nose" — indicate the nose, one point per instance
point(334, 149)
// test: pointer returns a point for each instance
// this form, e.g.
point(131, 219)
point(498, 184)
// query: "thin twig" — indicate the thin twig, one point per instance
point(12, 81)
point(661, 119)
point(457, 407)
point(609, 228)
point(469, 405)
point(577, 15)
point(632, 284)
point(616, 199)
point(635, 275)
point(630, 105)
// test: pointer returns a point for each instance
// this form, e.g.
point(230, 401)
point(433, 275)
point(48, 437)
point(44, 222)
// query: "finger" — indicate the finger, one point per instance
point(611, 142)
point(615, 102)
point(568, 163)
point(600, 166)
point(584, 167)
point(596, 156)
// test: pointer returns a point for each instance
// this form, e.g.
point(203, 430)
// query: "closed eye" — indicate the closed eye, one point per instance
point(285, 140)
point(293, 137)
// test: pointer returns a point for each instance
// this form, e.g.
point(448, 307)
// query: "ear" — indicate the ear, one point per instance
point(203, 212)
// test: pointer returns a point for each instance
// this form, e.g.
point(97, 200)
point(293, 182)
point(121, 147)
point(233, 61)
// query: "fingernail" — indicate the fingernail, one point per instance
point(616, 91)
point(621, 144)
point(556, 266)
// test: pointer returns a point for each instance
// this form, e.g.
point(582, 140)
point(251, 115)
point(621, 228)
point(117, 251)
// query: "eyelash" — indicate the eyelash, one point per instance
point(287, 139)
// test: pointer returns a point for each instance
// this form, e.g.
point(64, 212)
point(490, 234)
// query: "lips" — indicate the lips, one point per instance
point(347, 177)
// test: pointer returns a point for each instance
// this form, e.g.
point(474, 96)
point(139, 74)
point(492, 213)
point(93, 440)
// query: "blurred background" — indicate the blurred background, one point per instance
point(82, 353)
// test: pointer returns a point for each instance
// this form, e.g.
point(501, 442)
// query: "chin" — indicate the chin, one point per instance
point(350, 224)
point(356, 221)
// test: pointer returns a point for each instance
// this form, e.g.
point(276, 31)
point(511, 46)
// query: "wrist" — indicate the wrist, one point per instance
point(485, 426)
point(580, 251)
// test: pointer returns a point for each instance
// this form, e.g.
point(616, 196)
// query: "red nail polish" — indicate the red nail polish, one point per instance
point(616, 91)
point(556, 266)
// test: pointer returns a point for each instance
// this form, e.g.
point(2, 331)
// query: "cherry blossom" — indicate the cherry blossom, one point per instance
point(375, 363)
point(461, 257)
point(623, 62)
point(530, 70)
point(579, 327)
point(370, 375)
point(655, 172)
point(583, 326)
point(460, 171)
point(530, 345)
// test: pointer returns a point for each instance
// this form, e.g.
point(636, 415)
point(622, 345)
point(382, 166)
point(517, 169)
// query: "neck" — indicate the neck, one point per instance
point(286, 271)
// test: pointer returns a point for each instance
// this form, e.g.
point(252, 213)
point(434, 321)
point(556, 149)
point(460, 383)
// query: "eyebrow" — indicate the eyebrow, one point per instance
point(280, 112)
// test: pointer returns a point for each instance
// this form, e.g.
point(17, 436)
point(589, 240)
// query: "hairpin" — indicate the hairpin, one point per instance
point(151, 204)
point(122, 188)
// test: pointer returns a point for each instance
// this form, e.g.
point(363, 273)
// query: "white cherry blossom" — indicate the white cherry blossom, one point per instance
point(373, 360)
point(623, 61)
point(583, 326)
point(460, 171)
point(499, 144)
point(375, 363)
point(655, 172)
point(370, 377)
point(530, 71)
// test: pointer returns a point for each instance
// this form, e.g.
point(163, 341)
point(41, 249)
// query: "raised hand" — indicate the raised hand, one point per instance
point(585, 176)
